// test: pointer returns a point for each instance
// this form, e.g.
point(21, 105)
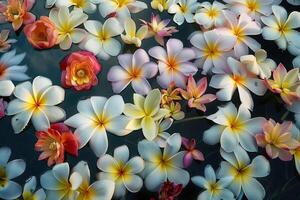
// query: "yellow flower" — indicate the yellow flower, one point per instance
point(132, 36)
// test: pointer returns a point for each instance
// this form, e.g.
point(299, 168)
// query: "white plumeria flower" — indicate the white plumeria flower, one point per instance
point(280, 27)
point(29, 190)
point(134, 69)
point(243, 172)
point(233, 127)
point(254, 8)
point(6, 88)
point(122, 171)
point(259, 64)
point(100, 41)
point(66, 23)
point(294, 51)
point(50, 3)
point(121, 8)
point(160, 167)
point(161, 5)
point(183, 10)
point(212, 50)
point(88, 6)
point(101, 189)
point(36, 101)
point(162, 135)
point(214, 190)
point(10, 68)
point(174, 64)
point(10, 170)
point(210, 15)
point(132, 36)
point(240, 27)
point(60, 184)
point(96, 116)
point(145, 113)
point(237, 78)
point(294, 2)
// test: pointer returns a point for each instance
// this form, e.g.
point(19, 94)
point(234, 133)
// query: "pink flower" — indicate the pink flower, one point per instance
point(17, 12)
point(191, 152)
point(54, 142)
point(285, 83)
point(3, 105)
point(277, 139)
point(79, 70)
point(41, 34)
point(169, 191)
point(194, 93)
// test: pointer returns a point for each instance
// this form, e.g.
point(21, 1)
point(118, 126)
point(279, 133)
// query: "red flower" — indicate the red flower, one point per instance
point(3, 105)
point(169, 191)
point(191, 152)
point(54, 142)
point(79, 70)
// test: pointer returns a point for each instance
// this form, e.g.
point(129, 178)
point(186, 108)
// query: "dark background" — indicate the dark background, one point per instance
point(283, 181)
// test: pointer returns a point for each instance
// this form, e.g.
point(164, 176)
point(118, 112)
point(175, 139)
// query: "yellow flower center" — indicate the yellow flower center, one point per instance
point(28, 196)
point(172, 64)
point(135, 72)
point(235, 125)
point(183, 8)
point(214, 188)
point(239, 80)
point(81, 73)
point(241, 172)
point(79, 3)
point(53, 146)
point(283, 28)
point(252, 5)
point(238, 32)
point(3, 177)
point(122, 3)
point(212, 13)
point(212, 50)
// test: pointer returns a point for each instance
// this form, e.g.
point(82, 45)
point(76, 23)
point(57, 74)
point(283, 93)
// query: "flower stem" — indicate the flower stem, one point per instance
point(189, 119)
point(284, 116)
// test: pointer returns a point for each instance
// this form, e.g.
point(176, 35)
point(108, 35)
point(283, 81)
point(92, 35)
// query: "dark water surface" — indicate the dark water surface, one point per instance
point(282, 183)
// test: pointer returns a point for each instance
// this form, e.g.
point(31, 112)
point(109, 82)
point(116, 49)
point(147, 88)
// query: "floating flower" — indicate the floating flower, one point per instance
point(169, 191)
point(54, 142)
point(36, 101)
point(159, 29)
point(212, 50)
point(160, 167)
point(6, 88)
point(41, 34)
point(100, 41)
point(259, 64)
point(184, 10)
point(285, 83)
point(60, 184)
point(243, 173)
point(277, 139)
point(101, 189)
point(162, 135)
point(237, 78)
point(17, 12)
point(174, 109)
point(29, 192)
point(122, 171)
point(240, 28)
point(191, 152)
point(170, 94)
point(66, 24)
point(234, 127)
point(3, 106)
point(80, 70)
point(96, 116)
point(121, 8)
point(8, 171)
point(145, 112)
point(132, 36)
point(10, 68)
point(88, 6)
point(161, 5)
point(254, 8)
point(280, 27)
point(195, 94)
point(134, 69)
point(5, 43)
point(213, 189)
point(210, 15)
point(294, 2)
point(173, 64)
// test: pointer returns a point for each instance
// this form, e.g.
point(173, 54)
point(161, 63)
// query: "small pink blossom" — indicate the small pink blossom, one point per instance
point(191, 152)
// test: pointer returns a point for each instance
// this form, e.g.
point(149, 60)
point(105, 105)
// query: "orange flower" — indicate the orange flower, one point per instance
point(195, 94)
point(79, 70)
point(54, 142)
point(42, 33)
point(16, 12)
